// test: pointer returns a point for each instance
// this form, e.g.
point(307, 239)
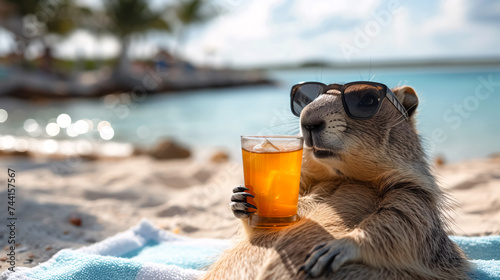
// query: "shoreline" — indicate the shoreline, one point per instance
point(27, 85)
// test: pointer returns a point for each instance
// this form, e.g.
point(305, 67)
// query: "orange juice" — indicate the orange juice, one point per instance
point(273, 178)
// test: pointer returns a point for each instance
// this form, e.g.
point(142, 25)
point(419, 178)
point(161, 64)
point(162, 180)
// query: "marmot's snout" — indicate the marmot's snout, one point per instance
point(322, 123)
point(312, 128)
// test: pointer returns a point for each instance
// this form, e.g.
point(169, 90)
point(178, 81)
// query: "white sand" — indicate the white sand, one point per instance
point(475, 186)
point(182, 196)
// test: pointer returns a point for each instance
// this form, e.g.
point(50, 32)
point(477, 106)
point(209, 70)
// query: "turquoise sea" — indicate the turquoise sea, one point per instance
point(459, 111)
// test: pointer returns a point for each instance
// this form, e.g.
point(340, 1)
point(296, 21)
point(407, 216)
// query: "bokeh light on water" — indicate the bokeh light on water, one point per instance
point(52, 129)
point(59, 134)
point(63, 120)
point(3, 115)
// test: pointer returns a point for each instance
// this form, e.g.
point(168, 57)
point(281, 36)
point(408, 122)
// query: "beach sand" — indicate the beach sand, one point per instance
point(474, 185)
point(188, 197)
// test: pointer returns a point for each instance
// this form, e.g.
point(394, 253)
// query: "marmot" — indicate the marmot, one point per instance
point(370, 207)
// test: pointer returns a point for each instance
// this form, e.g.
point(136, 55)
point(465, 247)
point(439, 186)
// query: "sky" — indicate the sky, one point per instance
point(253, 33)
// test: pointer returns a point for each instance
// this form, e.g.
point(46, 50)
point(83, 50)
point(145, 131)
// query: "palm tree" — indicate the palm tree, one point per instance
point(189, 13)
point(132, 17)
point(14, 12)
point(31, 20)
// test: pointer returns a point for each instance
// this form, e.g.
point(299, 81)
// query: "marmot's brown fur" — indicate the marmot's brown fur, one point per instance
point(366, 189)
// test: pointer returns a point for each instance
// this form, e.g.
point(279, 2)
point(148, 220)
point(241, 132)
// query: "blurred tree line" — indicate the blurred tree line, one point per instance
point(51, 21)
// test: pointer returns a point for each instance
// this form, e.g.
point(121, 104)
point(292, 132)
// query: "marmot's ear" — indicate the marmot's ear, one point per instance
point(408, 97)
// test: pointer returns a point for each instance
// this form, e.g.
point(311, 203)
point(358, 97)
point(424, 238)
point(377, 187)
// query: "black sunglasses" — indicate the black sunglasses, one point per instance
point(361, 100)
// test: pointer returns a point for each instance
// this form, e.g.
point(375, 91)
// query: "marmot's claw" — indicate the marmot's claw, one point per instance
point(316, 248)
point(329, 257)
point(312, 263)
point(240, 196)
point(239, 204)
point(240, 209)
point(239, 188)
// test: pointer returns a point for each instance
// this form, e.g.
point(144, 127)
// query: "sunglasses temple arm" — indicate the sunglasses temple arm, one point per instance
point(394, 100)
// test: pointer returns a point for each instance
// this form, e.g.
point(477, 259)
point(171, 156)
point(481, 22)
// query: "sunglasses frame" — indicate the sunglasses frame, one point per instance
point(384, 92)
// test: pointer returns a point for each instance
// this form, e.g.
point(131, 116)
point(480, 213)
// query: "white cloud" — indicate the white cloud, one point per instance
point(401, 27)
point(309, 11)
point(237, 34)
point(268, 41)
point(84, 44)
point(451, 17)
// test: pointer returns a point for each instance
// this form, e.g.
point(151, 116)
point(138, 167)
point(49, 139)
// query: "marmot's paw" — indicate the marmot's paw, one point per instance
point(239, 204)
point(329, 257)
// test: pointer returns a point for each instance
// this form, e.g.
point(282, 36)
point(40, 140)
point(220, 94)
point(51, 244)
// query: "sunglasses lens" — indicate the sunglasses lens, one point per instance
point(305, 94)
point(362, 101)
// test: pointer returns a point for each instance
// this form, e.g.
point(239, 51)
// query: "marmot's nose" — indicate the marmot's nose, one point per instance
point(312, 126)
